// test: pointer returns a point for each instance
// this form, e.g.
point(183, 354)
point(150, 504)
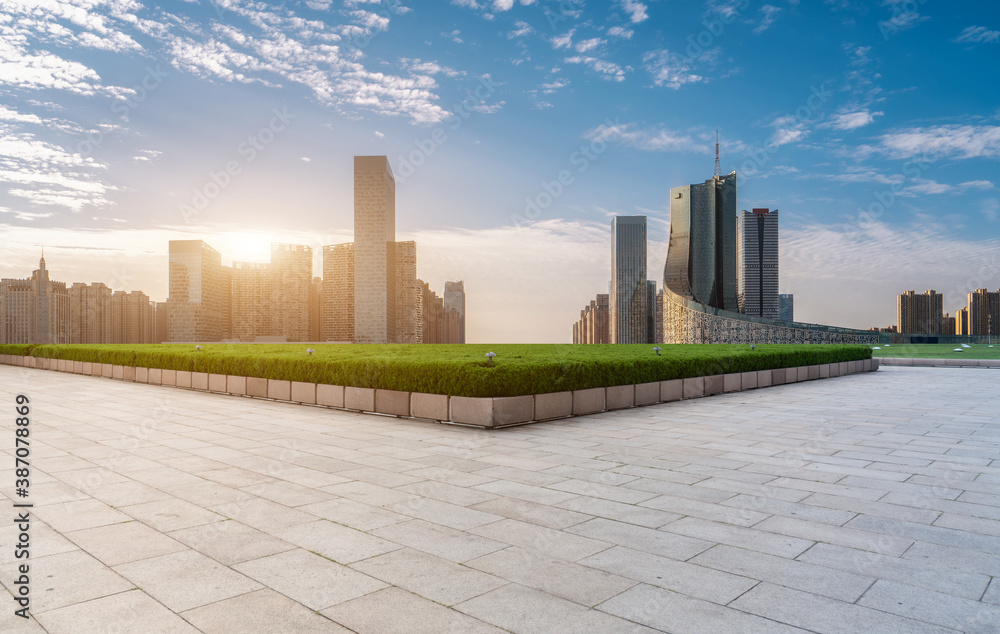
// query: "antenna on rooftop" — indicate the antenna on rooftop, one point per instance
point(718, 169)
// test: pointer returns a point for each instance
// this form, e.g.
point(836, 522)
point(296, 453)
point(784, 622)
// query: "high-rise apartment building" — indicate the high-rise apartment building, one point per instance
point(338, 293)
point(984, 312)
point(90, 313)
point(962, 321)
point(200, 293)
point(947, 325)
point(659, 316)
point(408, 315)
point(786, 307)
point(651, 312)
point(374, 236)
point(920, 314)
point(757, 262)
point(316, 309)
point(629, 314)
point(252, 301)
point(131, 318)
point(701, 254)
point(593, 326)
point(291, 279)
point(160, 322)
point(454, 305)
point(35, 309)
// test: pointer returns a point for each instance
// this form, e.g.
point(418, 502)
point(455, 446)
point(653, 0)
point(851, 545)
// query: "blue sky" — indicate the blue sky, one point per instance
point(873, 126)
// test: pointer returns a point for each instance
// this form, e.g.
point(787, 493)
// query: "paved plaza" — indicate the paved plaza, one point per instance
point(864, 503)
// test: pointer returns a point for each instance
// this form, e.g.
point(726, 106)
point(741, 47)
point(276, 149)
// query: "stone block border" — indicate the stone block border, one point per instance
point(951, 363)
point(476, 412)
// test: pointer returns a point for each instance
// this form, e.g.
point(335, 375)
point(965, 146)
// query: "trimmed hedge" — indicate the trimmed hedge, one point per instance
point(457, 370)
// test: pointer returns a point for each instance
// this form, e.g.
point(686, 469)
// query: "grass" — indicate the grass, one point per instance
point(458, 370)
point(939, 351)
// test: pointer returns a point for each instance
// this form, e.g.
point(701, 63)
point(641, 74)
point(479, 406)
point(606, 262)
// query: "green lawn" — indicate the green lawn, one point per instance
point(939, 351)
point(458, 370)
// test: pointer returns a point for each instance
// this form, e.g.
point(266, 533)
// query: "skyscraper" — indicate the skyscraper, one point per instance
point(200, 293)
point(962, 321)
point(701, 255)
point(338, 293)
point(919, 313)
point(408, 316)
point(35, 309)
point(454, 306)
point(291, 278)
point(629, 315)
point(374, 257)
point(757, 262)
point(786, 306)
point(252, 302)
point(316, 309)
point(90, 313)
point(651, 312)
point(131, 318)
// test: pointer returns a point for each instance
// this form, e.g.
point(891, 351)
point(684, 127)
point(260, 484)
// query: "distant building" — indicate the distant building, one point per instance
point(454, 305)
point(659, 316)
point(35, 309)
point(650, 312)
point(291, 279)
point(962, 321)
point(252, 301)
point(408, 316)
point(757, 263)
point(160, 321)
point(919, 313)
point(629, 314)
point(786, 307)
point(984, 312)
point(593, 326)
point(200, 293)
point(338, 293)
point(131, 318)
point(374, 236)
point(316, 309)
point(947, 325)
point(90, 313)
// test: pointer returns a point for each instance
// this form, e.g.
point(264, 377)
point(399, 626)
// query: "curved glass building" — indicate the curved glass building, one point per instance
point(700, 278)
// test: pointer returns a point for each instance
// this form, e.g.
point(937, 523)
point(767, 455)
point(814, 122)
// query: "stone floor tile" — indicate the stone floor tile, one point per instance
point(532, 512)
point(431, 577)
point(558, 544)
point(443, 513)
point(131, 611)
point(121, 543)
point(581, 584)
point(668, 611)
point(933, 607)
point(260, 611)
point(339, 543)
point(396, 611)
point(264, 515)
point(444, 542)
point(171, 514)
point(630, 513)
point(314, 581)
point(771, 543)
point(186, 580)
point(68, 578)
point(230, 542)
point(77, 515)
point(358, 515)
point(641, 538)
point(527, 611)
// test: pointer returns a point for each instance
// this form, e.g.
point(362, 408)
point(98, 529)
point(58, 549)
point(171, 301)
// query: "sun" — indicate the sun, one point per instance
point(243, 246)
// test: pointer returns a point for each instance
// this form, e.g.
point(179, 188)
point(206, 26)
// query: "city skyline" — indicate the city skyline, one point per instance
point(518, 130)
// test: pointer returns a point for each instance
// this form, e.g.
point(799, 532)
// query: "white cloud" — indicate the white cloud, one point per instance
point(978, 35)
point(608, 70)
point(635, 10)
point(588, 45)
point(520, 30)
point(563, 41)
point(959, 141)
point(770, 15)
point(671, 69)
point(652, 140)
point(379, 134)
point(852, 120)
point(924, 186)
point(622, 32)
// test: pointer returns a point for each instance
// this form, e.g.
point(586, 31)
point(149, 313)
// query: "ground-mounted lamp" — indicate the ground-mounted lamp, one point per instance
point(197, 347)
point(657, 350)
point(753, 347)
point(489, 358)
point(310, 352)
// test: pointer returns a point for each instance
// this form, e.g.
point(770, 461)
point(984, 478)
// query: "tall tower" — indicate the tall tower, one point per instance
point(374, 252)
point(757, 263)
point(198, 306)
point(718, 166)
point(628, 280)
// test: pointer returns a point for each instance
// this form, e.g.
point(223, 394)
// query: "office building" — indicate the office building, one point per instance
point(408, 316)
point(659, 316)
point(651, 312)
point(291, 279)
point(454, 305)
point(34, 309)
point(338, 293)
point(374, 235)
point(919, 314)
point(200, 293)
point(701, 253)
point(316, 309)
point(131, 318)
point(757, 262)
point(252, 301)
point(160, 322)
point(786, 307)
point(984, 312)
point(593, 326)
point(629, 314)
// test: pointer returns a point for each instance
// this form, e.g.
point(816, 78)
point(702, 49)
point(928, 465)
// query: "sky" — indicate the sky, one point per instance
point(516, 129)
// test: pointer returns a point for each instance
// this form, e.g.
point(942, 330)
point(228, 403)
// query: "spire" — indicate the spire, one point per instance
point(718, 169)
point(41, 262)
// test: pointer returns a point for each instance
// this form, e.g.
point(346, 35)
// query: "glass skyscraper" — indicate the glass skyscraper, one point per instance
point(629, 314)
